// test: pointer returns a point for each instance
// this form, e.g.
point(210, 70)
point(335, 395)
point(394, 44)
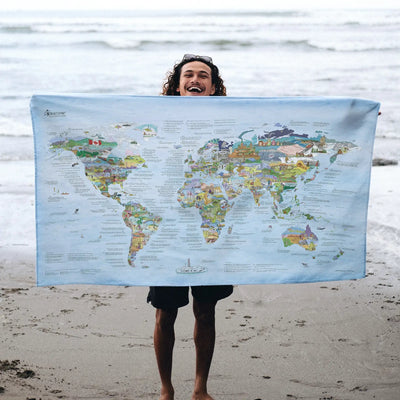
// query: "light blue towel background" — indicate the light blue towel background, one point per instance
point(82, 231)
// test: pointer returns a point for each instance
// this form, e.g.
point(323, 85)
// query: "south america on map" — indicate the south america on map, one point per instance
point(129, 195)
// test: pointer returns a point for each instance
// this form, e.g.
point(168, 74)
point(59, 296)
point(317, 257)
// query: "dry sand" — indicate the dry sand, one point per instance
point(329, 340)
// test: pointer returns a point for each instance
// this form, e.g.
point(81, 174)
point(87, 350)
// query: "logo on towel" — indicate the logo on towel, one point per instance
point(52, 114)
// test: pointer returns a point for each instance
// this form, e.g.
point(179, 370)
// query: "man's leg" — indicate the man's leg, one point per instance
point(204, 339)
point(164, 339)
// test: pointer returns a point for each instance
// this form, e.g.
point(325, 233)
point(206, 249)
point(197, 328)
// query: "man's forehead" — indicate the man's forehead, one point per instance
point(197, 66)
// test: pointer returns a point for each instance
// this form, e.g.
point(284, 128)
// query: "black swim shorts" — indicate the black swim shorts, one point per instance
point(166, 297)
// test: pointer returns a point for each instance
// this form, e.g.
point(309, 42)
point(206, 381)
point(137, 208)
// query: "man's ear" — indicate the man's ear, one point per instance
point(177, 90)
point(212, 90)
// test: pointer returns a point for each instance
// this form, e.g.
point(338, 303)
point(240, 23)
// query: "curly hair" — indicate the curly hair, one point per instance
point(171, 83)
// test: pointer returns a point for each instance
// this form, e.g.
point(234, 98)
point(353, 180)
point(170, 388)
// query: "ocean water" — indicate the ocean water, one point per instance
point(286, 53)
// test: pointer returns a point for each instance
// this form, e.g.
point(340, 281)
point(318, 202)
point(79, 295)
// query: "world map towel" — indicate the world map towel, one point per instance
point(181, 191)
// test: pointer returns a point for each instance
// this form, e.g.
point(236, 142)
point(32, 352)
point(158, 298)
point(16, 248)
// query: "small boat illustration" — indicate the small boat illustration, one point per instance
point(190, 269)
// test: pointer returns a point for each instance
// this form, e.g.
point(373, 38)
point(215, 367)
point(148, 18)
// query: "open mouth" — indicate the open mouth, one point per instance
point(194, 89)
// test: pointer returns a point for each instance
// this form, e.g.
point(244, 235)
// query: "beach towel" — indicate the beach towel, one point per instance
point(169, 190)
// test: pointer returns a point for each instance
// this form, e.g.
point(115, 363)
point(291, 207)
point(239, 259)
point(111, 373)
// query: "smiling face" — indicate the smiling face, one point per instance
point(195, 80)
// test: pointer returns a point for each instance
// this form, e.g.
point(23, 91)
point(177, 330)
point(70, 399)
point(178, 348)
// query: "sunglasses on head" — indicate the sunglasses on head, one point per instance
point(192, 57)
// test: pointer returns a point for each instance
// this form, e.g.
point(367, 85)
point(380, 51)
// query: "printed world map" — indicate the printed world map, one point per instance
point(216, 174)
point(194, 198)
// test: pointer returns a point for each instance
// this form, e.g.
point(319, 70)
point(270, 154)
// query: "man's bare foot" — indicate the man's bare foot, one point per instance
point(201, 396)
point(166, 397)
point(167, 393)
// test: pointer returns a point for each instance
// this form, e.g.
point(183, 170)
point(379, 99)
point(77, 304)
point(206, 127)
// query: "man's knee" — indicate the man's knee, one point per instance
point(165, 319)
point(204, 312)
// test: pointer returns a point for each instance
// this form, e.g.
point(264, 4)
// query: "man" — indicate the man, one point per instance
point(193, 76)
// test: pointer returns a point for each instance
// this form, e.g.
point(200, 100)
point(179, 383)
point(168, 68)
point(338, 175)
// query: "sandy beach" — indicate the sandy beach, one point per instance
point(328, 340)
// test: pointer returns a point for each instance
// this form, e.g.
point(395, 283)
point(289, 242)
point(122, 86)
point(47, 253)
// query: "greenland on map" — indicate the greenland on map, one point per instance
point(185, 191)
